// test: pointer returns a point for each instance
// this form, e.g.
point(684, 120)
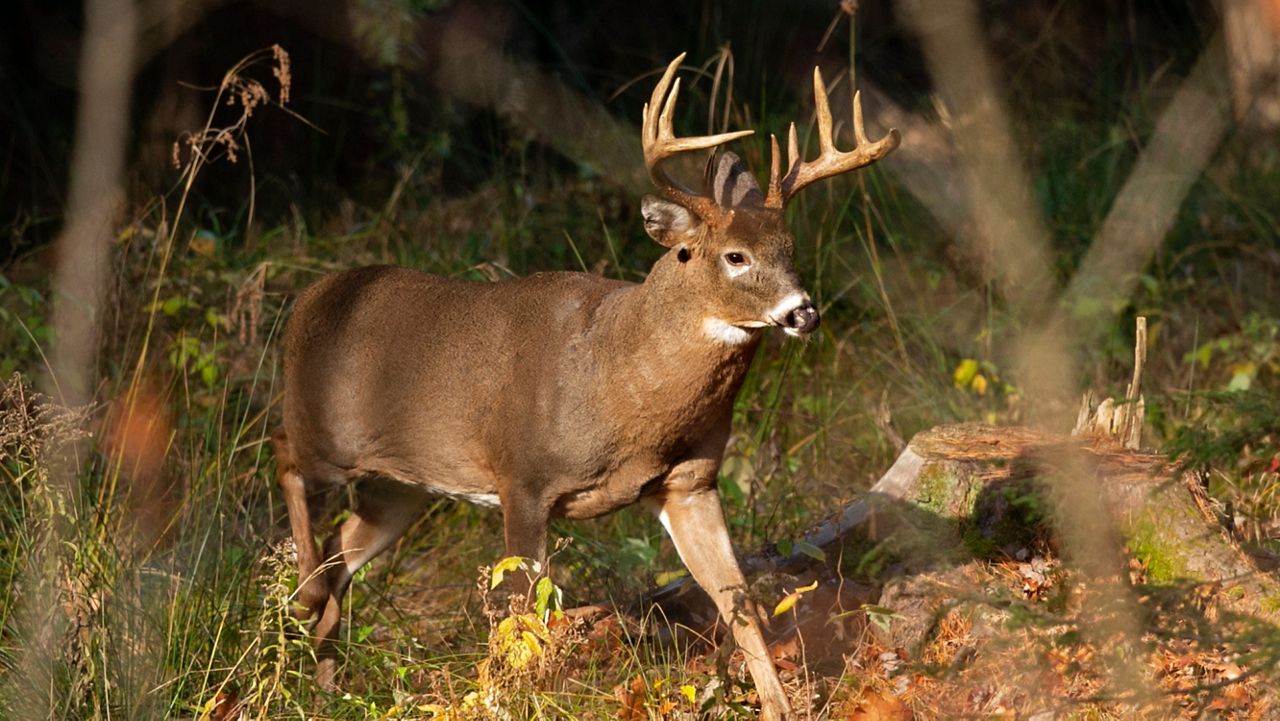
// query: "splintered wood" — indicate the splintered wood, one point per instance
point(1121, 420)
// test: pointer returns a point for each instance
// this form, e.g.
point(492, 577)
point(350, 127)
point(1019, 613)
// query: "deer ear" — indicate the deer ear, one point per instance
point(668, 223)
point(733, 184)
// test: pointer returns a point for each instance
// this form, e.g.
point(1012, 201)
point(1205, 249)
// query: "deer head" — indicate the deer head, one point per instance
point(731, 242)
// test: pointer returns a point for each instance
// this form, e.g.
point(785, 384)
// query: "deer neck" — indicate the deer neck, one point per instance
point(660, 354)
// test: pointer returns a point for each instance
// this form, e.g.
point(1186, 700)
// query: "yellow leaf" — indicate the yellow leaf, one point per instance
point(689, 692)
point(502, 568)
point(666, 577)
point(786, 604)
point(965, 372)
point(204, 245)
point(979, 384)
point(531, 642)
point(791, 598)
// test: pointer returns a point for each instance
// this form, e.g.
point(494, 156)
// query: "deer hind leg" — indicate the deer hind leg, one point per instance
point(312, 589)
point(384, 510)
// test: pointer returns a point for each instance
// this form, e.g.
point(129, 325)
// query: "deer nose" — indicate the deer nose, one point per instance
point(802, 320)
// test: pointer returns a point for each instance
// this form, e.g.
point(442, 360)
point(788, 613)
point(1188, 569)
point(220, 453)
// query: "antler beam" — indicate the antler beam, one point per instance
point(659, 141)
point(830, 161)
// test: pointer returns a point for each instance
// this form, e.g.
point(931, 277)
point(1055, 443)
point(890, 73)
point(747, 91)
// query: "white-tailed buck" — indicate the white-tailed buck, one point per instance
point(557, 395)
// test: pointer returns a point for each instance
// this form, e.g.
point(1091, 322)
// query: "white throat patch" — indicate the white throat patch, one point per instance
point(721, 332)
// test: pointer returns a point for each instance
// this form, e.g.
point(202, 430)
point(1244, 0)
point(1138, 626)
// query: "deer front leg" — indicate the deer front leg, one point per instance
point(525, 517)
point(695, 522)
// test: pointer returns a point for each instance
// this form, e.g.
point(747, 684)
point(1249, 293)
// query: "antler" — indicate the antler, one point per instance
point(660, 143)
point(830, 161)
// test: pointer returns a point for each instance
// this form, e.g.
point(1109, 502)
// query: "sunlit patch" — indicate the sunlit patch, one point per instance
point(722, 332)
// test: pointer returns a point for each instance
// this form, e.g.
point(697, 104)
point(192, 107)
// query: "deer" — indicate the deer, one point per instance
point(560, 394)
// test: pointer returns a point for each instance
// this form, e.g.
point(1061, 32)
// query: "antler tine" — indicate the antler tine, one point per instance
point(775, 197)
point(830, 161)
point(793, 151)
point(823, 109)
point(658, 139)
point(859, 131)
point(775, 173)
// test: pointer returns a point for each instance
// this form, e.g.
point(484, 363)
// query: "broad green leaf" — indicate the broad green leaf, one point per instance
point(547, 597)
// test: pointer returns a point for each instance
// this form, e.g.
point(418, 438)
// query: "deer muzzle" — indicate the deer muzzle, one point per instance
point(801, 320)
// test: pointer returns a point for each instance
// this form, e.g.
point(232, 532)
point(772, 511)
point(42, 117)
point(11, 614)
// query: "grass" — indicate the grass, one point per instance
point(181, 596)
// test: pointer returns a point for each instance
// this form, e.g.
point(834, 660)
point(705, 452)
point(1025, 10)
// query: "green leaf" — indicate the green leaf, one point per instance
point(174, 305)
point(811, 550)
point(216, 319)
point(209, 374)
point(880, 616)
point(546, 597)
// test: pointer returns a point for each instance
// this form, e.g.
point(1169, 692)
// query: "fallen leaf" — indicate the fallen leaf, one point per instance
point(873, 706)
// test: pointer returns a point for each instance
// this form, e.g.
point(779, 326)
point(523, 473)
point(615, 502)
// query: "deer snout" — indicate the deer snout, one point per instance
point(801, 320)
point(796, 314)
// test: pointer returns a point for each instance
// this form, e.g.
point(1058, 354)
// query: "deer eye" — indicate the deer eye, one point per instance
point(737, 259)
